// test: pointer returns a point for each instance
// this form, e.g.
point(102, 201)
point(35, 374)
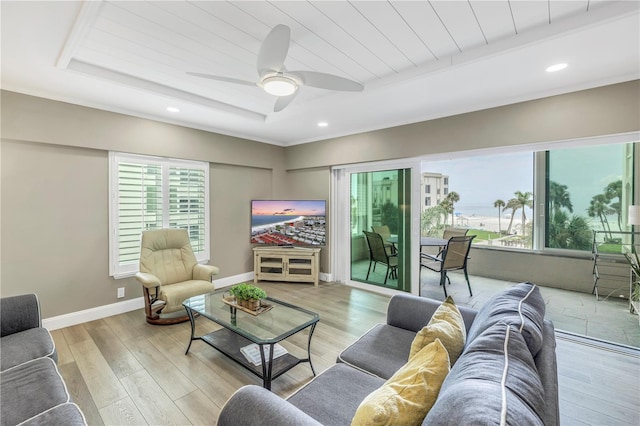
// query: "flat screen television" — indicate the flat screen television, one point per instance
point(288, 222)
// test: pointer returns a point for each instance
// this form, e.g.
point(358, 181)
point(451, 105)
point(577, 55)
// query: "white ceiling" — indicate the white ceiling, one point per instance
point(418, 60)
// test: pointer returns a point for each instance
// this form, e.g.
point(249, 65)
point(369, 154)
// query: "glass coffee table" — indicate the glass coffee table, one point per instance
point(241, 329)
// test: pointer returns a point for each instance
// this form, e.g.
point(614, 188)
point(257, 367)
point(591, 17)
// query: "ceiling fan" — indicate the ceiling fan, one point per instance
point(276, 80)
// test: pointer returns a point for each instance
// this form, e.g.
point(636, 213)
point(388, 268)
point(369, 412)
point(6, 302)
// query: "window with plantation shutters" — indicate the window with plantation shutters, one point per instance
point(151, 193)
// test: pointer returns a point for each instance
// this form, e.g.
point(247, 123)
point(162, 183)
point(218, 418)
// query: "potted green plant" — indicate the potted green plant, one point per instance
point(634, 262)
point(248, 295)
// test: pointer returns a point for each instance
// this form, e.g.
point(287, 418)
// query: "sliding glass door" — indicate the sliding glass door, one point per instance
point(380, 228)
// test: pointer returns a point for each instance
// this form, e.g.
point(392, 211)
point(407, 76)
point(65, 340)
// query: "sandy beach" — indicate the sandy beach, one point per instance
point(488, 223)
point(261, 228)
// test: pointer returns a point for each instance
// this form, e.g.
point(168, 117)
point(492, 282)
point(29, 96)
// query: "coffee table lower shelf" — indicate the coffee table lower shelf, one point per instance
point(229, 343)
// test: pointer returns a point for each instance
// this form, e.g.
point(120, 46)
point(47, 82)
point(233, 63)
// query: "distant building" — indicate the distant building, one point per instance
point(435, 187)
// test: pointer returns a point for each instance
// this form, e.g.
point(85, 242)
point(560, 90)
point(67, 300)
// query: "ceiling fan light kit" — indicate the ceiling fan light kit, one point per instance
point(279, 85)
point(275, 80)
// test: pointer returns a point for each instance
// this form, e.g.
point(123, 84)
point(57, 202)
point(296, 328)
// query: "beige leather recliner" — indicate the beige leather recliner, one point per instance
point(170, 274)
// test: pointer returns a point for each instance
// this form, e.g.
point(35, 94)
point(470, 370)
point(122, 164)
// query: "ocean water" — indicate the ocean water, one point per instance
point(488, 211)
point(261, 220)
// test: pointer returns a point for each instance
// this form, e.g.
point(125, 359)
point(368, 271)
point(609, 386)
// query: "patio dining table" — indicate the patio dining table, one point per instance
point(424, 241)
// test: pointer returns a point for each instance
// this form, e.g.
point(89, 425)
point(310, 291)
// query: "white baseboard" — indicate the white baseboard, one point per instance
point(326, 277)
point(92, 314)
point(235, 279)
point(99, 312)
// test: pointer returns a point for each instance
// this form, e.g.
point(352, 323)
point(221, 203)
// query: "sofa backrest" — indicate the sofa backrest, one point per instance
point(412, 313)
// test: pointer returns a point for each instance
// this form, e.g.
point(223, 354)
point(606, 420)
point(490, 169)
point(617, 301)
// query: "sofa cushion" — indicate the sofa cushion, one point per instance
point(409, 394)
point(472, 393)
point(28, 389)
point(447, 325)
point(521, 305)
point(24, 346)
point(333, 397)
point(380, 351)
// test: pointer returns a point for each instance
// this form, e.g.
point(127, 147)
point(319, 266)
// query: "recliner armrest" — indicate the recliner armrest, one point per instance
point(253, 405)
point(19, 313)
point(204, 272)
point(148, 280)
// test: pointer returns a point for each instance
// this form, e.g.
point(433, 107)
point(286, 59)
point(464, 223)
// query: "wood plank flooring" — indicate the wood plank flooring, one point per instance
point(122, 371)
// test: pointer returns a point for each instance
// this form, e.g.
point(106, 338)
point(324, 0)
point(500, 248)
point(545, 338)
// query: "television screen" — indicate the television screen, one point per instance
point(288, 222)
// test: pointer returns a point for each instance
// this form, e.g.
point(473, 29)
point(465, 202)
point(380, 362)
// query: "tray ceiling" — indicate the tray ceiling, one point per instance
point(417, 59)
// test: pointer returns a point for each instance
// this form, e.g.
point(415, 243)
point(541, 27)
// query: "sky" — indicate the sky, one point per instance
point(288, 207)
point(480, 181)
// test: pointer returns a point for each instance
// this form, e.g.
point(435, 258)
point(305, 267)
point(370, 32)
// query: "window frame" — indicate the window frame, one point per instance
point(538, 151)
point(118, 270)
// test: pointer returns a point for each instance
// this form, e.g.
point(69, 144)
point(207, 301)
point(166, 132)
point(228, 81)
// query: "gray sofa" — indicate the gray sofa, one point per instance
point(32, 390)
point(510, 326)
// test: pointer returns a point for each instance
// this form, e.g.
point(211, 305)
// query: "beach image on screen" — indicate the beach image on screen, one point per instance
point(288, 222)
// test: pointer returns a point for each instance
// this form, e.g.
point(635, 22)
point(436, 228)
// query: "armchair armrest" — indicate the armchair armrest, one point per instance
point(253, 405)
point(19, 313)
point(148, 280)
point(204, 272)
point(431, 257)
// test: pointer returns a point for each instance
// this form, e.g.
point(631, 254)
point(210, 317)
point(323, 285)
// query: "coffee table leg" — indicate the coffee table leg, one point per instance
point(313, 327)
point(192, 320)
point(267, 369)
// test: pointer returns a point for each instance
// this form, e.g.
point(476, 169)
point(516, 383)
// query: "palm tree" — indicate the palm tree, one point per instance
point(453, 198)
point(499, 204)
point(513, 205)
point(559, 197)
point(569, 233)
point(614, 190)
point(446, 207)
point(524, 200)
point(599, 207)
point(521, 200)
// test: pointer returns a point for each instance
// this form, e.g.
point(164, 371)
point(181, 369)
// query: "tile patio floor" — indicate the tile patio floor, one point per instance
point(574, 312)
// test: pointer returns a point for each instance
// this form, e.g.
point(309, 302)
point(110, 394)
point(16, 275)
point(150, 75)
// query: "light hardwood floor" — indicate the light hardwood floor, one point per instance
point(121, 370)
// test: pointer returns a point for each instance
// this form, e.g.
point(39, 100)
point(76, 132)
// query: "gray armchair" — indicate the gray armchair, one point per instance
point(170, 274)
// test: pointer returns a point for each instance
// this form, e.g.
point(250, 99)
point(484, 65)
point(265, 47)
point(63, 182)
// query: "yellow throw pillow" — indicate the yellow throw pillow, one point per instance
point(447, 325)
point(407, 397)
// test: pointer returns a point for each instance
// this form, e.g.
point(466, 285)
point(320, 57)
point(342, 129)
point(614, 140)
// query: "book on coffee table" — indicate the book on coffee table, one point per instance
point(252, 352)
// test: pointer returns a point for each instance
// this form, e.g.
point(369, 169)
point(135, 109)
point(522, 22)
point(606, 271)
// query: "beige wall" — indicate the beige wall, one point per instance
point(28, 118)
point(54, 187)
point(602, 111)
point(233, 188)
point(313, 184)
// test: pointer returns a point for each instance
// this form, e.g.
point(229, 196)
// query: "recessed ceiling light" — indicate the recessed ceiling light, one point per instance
point(556, 67)
point(173, 109)
point(323, 124)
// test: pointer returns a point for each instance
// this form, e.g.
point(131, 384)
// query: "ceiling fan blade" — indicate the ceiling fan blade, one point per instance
point(327, 81)
point(225, 79)
point(274, 50)
point(283, 101)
